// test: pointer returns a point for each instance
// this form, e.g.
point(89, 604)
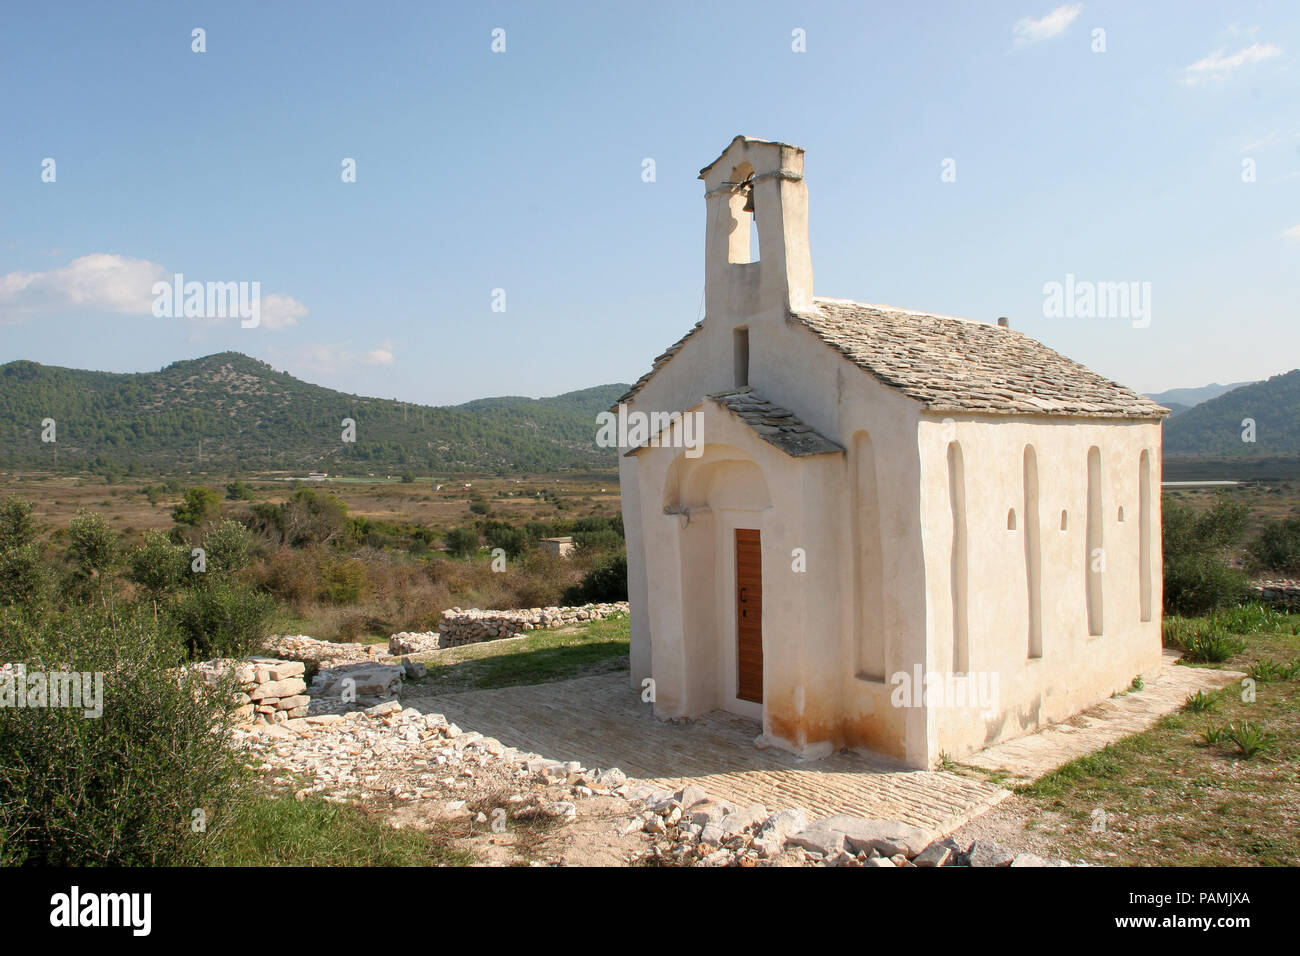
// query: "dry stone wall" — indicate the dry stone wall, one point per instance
point(270, 691)
point(459, 626)
point(1284, 593)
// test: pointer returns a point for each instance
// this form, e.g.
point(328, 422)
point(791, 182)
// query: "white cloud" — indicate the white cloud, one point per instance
point(281, 311)
point(1292, 233)
point(1055, 24)
point(103, 282)
point(1216, 66)
point(98, 282)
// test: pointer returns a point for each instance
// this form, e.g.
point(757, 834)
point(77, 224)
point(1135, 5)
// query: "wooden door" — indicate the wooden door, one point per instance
point(749, 616)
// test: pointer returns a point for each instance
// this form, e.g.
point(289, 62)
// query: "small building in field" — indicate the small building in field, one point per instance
point(562, 547)
point(892, 530)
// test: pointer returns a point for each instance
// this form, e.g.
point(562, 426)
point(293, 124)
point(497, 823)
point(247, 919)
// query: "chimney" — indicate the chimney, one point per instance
point(756, 181)
point(1004, 322)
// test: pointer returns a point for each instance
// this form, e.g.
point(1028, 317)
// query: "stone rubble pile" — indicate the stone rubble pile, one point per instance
point(470, 626)
point(412, 642)
point(270, 691)
point(405, 755)
point(357, 684)
point(693, 830)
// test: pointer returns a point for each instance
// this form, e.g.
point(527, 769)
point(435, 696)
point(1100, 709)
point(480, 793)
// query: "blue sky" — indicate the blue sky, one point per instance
point(522, 171)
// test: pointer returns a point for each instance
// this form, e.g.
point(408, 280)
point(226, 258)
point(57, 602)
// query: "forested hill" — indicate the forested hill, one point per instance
point(250, 417)
point(1216, 427)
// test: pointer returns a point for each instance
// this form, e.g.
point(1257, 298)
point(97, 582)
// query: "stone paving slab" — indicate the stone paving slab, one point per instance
point(1028, 758)
point(601, 722)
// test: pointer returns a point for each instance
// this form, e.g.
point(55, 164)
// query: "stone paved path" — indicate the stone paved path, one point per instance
point(1028, 758)
point(601, 722)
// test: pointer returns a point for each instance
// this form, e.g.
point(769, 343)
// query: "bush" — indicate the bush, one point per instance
point(120, 789)
point(606, 582)
point(1197, 577)
point(343, 581)
point(229, 546)
point(157, 565)
point(198, 505)
point(25, 579)
point(462, 542)
point(1204, 645)
point(17, 524)
point(92, 544)
point(511, 540)
point(238, 491)
point(1277, 546)
point(1201, 583)
point(222, 618)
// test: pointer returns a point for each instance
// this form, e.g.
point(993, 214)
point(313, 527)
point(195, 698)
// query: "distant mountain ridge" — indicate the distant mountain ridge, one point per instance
point(1267, 412)
point(253, 418)
point(1181, 399)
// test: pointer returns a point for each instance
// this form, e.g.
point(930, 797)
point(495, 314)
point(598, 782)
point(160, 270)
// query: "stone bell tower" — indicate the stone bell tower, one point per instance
point(756, 181)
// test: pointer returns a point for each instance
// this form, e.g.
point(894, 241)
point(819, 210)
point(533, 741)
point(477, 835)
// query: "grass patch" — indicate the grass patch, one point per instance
point(1189, 792)
point(277, 830)
point(538, 657)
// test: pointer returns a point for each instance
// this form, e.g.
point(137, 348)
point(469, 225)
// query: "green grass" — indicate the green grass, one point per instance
point(1196, 791)
point(538, 657)
point(277, 830)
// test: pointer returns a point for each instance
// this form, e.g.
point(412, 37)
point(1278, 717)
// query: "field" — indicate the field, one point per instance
point(425, 502)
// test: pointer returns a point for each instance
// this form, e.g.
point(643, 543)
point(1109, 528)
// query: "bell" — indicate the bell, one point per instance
point(749, 201)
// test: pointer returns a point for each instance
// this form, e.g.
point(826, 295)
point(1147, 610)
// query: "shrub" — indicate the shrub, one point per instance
point(1201, 583)
point(1277, 546)
point(1211, 647)
point(606, 582)
point(157, 565)
point(293, 576)
point(120, 789)
point(511, 540)
point(1199, 703)
point(462, 542)
point(343, 581)
point(17, 524)
point(1249, 738)
point(198, 505)
point(25, 579)
point(222, 618)
point(229, 546)
point(1197, 578)
point(238, 491)
point(92, 544)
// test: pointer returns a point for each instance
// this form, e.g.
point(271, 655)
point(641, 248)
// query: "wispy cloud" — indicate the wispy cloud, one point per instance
point(105, 282)
point(1217, 67)
point(1273, 139)
point(1054, 24)
point(332, 357)
point(1292, 233)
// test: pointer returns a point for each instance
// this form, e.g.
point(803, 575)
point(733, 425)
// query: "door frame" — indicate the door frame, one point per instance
point(728, 625)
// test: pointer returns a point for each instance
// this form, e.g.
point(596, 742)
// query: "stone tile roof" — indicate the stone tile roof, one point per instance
point(658, 363)
point(951, 364)
point(775, 425)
